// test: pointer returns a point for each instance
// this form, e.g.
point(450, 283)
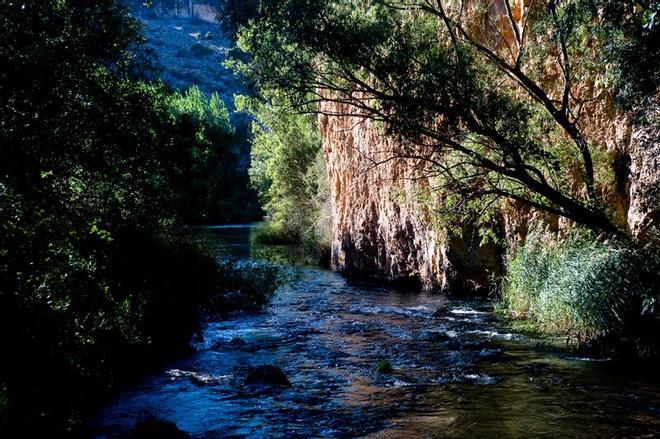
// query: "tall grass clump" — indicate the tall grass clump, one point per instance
point(600, 294)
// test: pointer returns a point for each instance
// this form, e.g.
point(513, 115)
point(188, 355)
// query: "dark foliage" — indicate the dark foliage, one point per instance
point(98, 279)
point(634, 49)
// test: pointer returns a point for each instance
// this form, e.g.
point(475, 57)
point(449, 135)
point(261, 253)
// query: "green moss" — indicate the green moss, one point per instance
point(384, 367)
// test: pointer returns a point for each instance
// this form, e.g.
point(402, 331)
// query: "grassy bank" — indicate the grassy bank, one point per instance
point(601, 295)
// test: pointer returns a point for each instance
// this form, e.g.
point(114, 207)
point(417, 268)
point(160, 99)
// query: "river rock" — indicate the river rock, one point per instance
point(266, 375)
point(436, 336)
point(236, 341)
point(152, 428)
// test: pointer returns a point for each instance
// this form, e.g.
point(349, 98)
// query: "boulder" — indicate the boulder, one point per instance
point(236, 341)
point(266, 375)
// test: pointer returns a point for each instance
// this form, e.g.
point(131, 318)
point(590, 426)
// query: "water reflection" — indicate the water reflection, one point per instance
point(241, 242)
point(456, 371)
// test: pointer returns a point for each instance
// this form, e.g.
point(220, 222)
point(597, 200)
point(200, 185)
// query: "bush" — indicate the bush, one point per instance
point(598, 293)
point(98, 279)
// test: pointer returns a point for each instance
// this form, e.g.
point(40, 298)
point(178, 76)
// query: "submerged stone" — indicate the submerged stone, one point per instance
point(236, 341)
point(266, 375)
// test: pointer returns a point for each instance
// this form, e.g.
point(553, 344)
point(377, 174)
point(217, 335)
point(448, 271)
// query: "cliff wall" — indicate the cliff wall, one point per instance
point(385, 219)
point(380, 227)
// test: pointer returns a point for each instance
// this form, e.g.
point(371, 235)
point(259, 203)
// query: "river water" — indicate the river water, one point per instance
point(456, 370)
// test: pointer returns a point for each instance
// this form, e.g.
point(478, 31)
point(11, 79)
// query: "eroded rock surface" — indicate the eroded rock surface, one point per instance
point(383, 223)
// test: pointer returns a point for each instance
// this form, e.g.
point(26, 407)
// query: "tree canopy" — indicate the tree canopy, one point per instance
point(491, 100)
point(288, 171)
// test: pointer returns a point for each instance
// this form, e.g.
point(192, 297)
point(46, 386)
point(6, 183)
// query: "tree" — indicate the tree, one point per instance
point(463, 86)
point(288, 171)
point(97, 278)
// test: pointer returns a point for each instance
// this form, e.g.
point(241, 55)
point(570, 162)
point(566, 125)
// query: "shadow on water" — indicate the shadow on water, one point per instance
point(456, 371)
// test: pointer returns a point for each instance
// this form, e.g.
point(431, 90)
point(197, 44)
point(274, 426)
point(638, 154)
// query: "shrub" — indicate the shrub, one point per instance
point(598, 293)
point(244, 286)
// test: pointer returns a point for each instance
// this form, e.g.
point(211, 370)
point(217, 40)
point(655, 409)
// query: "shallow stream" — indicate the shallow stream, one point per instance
point(456, 370)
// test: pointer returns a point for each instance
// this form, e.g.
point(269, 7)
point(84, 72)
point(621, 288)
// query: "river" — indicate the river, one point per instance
point(456, 370)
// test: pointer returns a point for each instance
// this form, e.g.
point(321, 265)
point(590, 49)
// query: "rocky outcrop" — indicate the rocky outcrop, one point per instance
point(384, 224)
point(383, 219)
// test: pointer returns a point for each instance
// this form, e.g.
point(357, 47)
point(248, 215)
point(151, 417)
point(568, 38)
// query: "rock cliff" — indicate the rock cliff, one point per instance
point(380, 227)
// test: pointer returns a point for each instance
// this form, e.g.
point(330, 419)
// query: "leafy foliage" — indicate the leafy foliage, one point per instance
point(98, 278)
point(288, 171)
point(631, 31)
point(209, 185)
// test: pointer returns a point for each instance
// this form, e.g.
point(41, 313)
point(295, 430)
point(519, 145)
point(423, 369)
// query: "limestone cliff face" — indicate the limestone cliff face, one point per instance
point(633, 196)
point(379, 226)
point(643, 213)
point(381, 229)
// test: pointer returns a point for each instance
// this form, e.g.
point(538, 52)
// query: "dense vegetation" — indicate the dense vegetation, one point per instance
point(211, 189)
point(288, 171)
point(601, 295)
point(476, 108)
point(100, 170)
